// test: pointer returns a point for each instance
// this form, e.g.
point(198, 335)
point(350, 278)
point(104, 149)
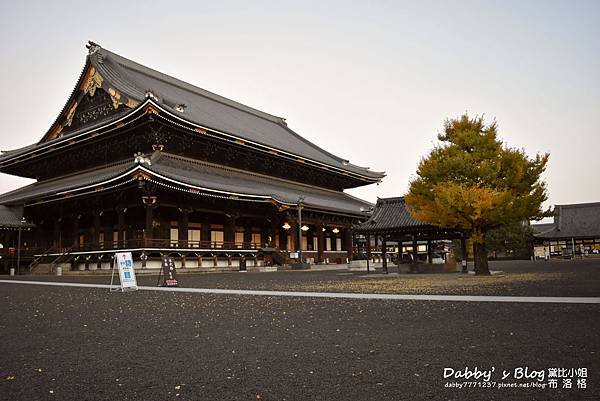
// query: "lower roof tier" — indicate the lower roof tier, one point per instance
point(178, 173)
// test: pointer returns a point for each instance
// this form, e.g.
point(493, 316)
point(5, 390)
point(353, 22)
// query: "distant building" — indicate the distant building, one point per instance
point(575, 231)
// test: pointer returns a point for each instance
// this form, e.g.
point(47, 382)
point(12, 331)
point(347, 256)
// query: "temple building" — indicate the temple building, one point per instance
point(575, 231)
point(143, 162)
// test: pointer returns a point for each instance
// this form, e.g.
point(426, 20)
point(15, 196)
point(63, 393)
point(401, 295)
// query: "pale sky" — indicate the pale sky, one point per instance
point(371, 82)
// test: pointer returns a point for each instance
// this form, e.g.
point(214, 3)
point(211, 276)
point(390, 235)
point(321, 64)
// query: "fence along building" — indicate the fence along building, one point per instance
point(138, 160)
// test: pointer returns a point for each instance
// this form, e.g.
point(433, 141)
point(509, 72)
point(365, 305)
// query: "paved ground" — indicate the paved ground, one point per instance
point(86, 344)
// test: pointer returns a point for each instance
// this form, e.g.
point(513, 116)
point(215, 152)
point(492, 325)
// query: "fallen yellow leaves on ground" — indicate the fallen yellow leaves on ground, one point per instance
point(437, 283)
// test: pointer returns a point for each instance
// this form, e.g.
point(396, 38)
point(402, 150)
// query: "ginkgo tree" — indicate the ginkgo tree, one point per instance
point(473, 182)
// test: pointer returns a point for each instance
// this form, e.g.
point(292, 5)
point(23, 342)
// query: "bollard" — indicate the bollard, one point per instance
point(59, 270)
point(12, 271)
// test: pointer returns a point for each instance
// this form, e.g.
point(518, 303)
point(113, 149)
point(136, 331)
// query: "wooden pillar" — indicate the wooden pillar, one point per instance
point(282, 238)
point(465, 256)
point(247, 237)
point(429, 252)
point(121, 226)
point(264, 235)
point(368, 238)
point(399, 252)
point(182, 228)
point(75, 222)
point(108, 232)
point(384, 254)
point(3, 240)
point(310, 235)
point(149, 204)
point(349, 243)
point(35, 236)
point(415, 252)
point(96, 230)
point(229, 232)
point(56, 234)
point(148, 222)
point(294, 236)
point(273, 233)
point(320, 243)
point(205, 235)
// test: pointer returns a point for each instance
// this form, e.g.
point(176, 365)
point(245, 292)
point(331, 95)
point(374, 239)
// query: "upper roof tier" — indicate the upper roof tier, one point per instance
point(131, 84)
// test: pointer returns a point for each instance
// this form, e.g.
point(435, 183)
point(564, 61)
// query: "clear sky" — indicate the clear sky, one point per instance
point(372, 82)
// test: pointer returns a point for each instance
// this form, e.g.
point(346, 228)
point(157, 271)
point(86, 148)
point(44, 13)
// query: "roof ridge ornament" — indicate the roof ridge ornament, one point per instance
point(92, 47)
point(139, 158)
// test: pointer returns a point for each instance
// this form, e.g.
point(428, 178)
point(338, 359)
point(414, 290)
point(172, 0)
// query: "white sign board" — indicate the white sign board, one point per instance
point(124, 261)
point(294, 255)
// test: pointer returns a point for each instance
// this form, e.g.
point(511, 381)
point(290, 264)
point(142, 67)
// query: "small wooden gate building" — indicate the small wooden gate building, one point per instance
point(392, 222)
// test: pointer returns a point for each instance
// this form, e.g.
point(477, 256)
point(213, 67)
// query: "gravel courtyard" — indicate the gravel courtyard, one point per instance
point(68, 343)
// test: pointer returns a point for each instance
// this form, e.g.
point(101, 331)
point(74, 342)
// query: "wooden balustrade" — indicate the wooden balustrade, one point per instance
point(166, 243)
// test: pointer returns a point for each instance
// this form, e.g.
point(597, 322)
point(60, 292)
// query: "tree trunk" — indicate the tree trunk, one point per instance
point(481, 259)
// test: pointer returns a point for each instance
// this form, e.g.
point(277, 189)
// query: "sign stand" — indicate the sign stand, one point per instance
point(124, 262)
point(167, 272)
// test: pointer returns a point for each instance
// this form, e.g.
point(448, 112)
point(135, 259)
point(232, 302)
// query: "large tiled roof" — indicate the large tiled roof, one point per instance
point(182, 173)
point(209, 110)
point(214, 111)
point(391, 215)
point(10, 217)
point(574, 221)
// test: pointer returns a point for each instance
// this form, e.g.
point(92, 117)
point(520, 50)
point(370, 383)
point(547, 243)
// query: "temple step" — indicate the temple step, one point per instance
point(42, 268)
